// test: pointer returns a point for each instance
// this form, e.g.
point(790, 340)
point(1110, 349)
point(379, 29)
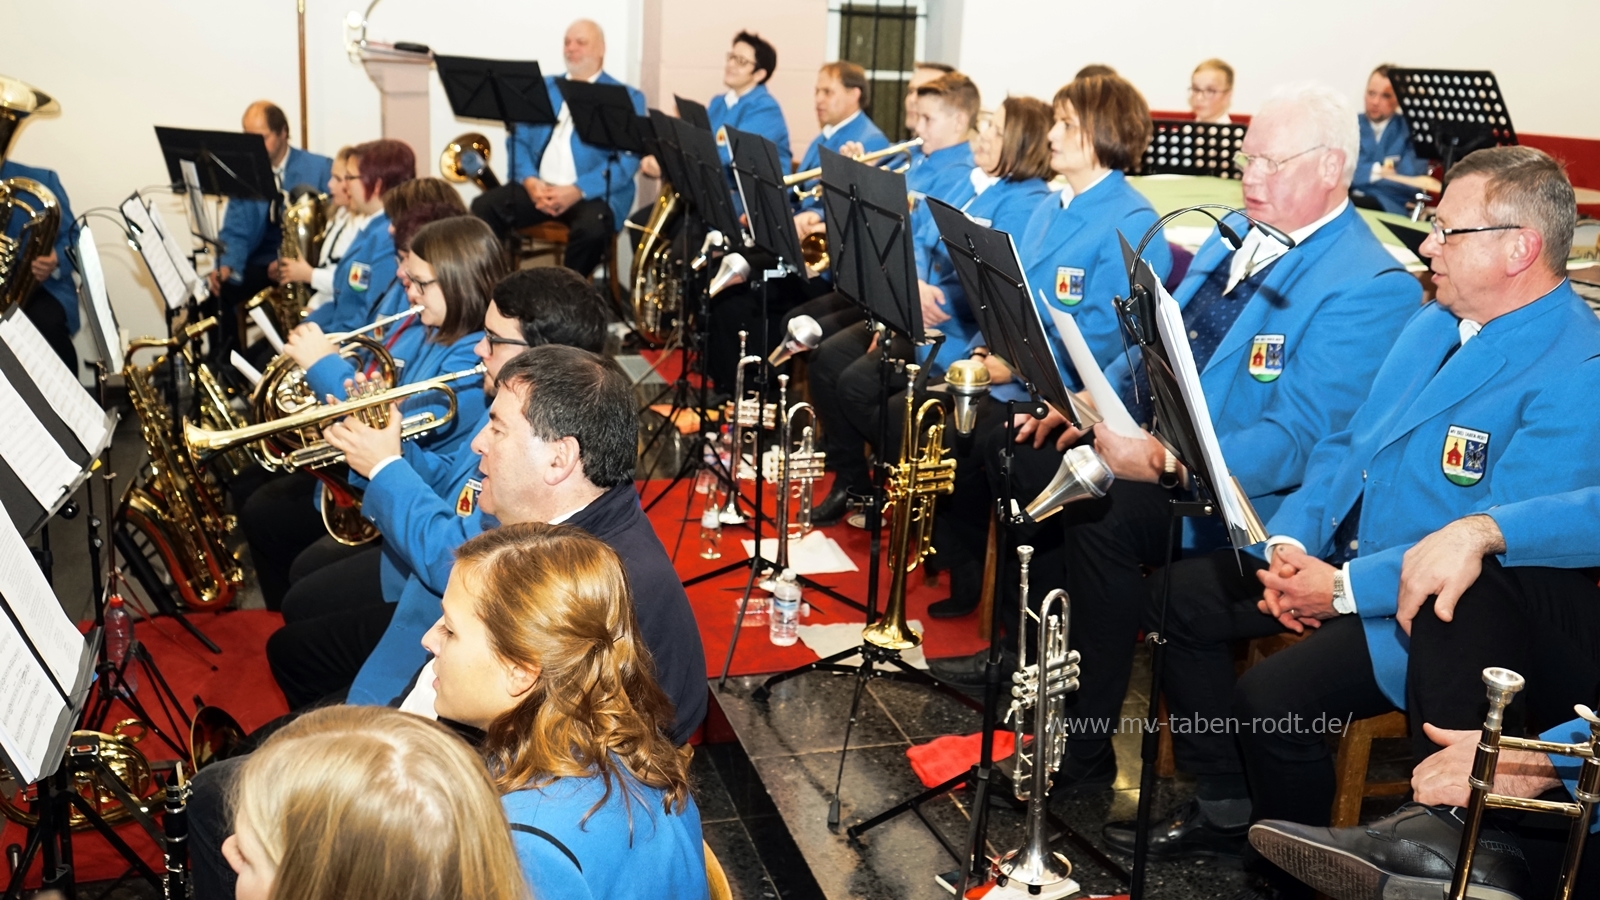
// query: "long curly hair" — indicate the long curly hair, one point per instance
point(555, 597)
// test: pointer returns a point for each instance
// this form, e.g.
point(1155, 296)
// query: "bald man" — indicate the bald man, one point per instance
point(250, 237)
point(555, 175)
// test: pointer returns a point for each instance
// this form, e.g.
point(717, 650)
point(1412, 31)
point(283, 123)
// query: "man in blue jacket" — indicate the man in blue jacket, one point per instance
point(53, 304)
point(1386, 149)
point(554, 174)
point(250, 231)
point(1476, 406)
point(840, 100)
point(1514, 587)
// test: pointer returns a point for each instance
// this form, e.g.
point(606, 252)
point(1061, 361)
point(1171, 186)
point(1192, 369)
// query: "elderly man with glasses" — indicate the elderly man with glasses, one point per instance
point(1481, 403)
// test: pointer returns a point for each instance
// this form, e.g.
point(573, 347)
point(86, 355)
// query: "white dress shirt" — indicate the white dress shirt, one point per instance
point(557, 166)
point(1259, 248)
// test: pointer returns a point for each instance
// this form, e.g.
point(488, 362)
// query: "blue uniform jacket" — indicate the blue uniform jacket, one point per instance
point(943, 175)
point(60, 283)
point(1338, 301)
point(418, 360)
point(1073, 261)
point(861, 129)
point(1004, 206)
point(526, 145)
point(757, 112)
point(1495, 426)
point(1396, 145)
point(361, 280)
point(248, 238)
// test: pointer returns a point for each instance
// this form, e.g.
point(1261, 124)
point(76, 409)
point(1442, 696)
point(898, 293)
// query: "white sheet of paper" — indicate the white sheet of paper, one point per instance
point(30, 451)
point(180, 259)
point(101, 316)
point(826, 640)
point(250, 373)
point(1106, 399)
point(56, 382)
point(259, 316)
point(814, 554)
point(37, 609)
point(198, 211)
point(420, 701)
point(174, 291)
point(29, 705)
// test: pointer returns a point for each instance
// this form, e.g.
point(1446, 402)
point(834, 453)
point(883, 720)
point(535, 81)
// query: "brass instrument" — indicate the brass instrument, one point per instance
point(800, 178)
point(914, 484)
point(305, 224)
point(42, 215)
point(1503, 686)
point(657, 285)
point(216, 411)
point(172, 503)
point(1038, 707)
point(793, 471)
point(467, 159)
point(814, 246)
point(744, 412)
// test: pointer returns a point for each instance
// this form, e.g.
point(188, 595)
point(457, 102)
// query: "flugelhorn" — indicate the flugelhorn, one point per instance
point(914, 484)
point(1503, 685)
point(467, 159)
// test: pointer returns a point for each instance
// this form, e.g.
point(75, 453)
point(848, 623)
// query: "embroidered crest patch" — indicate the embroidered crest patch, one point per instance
point(1266, 357)
point(467, 500)
point(1069, 285)
point(360, 276)
point(722, 136)
point(1465, 456)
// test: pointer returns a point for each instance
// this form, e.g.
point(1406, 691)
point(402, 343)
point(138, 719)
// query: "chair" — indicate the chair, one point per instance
point(549, 240)
point(716, 879)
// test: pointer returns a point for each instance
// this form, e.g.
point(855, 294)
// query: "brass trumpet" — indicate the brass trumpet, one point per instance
point(800, 178)
point(467, 159)
point(914, 484)
point(814, 247)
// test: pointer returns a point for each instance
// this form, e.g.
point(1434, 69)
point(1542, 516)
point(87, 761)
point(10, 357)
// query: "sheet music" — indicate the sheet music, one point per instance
point(156, 256)
point(30, 451)
point(35, 605)
point(29, 705)
point(1106, 399)
point(56, 382)
point(198, 211)
point(180, 259)
point(101, 317)
point(250, 373)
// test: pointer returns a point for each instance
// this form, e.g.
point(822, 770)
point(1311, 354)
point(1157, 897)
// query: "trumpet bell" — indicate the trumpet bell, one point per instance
point(803, 336)
point(735, 270)
point(1083, 475)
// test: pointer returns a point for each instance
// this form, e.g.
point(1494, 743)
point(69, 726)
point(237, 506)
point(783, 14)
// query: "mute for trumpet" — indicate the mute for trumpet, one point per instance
point(1081, 476)
point(804, 335)
point(735, 269)
point(967, 380)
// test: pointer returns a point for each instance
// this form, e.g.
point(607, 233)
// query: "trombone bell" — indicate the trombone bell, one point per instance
point(1082, 475)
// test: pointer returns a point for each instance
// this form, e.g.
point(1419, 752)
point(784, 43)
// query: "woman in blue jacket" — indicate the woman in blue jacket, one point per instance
point(539, 647)
point(368, 265)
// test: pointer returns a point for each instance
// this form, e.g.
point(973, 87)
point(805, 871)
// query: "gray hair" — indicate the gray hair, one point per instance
point(1330, 118)
point(1526, 187)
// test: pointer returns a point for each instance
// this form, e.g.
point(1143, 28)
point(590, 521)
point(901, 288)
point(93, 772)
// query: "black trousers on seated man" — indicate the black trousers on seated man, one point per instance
point(332, 619)
point(589, 226)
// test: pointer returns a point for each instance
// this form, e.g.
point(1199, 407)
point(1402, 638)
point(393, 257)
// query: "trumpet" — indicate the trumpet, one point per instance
point(914, 484)
point(1503, 686)
point(1038, 706)
point(814, 247)
point(793, 471)
point(800, 178)
point(751, 412)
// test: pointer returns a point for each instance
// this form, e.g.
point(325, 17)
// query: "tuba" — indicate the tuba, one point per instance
point(33, 201)
point(914, 484)
point(467, 159)
point(657, 283)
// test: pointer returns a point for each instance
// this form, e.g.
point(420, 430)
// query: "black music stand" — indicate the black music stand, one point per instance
point(1187, 147)
point(230, 163)
point(708, 183)
point(500, 90)
point(604, 117)
point(1452, 112)
point(692, 112)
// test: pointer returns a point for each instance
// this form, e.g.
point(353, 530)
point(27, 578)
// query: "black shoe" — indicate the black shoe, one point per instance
point(1185, 833)
point(966, 589)
point(1412, 853)
point(834, 506)
point(967, 672)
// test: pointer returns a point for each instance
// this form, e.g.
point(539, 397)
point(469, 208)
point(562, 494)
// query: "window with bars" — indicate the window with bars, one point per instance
point(886, 39)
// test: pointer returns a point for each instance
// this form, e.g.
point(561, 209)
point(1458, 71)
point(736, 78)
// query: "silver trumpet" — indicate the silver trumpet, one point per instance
point(744, 412)
point(793, 471)
point(803, 336)
point(1503, 686)
point(1038, 707)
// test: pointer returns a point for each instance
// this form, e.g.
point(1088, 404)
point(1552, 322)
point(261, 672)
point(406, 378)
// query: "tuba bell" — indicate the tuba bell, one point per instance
point(467, 159)
point(40, 210)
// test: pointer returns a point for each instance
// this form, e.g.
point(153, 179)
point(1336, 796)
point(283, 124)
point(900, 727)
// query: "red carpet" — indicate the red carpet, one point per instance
point(716, 602)
point(238, 681)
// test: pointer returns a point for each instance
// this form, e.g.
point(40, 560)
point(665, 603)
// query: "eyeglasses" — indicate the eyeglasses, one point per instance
point(496, 340)
point(1271, 166)
point(741, 60)
point(1439, 234)
point(422, 284)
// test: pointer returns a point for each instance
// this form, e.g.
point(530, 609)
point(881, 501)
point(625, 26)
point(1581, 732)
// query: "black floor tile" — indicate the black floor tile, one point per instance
point(815, 709)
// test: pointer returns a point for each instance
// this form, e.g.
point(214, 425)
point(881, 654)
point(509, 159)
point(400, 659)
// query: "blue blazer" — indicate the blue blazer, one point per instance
point(1496, 425)
point(60, 283)
point(943, 175)
point(757, 112)
point(1338, 301)
point(1073, 261)
point(1396, 145)
point(861, 129)
point(361, 280)
point(526, 145)
point(1005, 206)
point(1559, 530)
point(248, 238)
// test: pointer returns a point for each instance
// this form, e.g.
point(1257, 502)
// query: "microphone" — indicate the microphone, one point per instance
point(967, 380)
point(804, 334)
point(735, 269)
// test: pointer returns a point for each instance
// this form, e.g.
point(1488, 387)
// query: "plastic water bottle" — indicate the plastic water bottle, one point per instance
point(119, 638)
point(711, 529)
point(784, 617)
point(707, 478)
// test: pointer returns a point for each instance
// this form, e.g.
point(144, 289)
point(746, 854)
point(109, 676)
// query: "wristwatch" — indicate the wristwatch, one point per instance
point(1169, 470)
point(1341, 598)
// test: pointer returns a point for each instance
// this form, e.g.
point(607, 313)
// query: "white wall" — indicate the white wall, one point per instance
point(119, 68)
point(1541, 50)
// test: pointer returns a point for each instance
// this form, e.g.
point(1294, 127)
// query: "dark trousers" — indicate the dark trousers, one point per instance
point(846, 385)
point(225, 337)
point(589, 225)
point(763, 319)
point(50, 318)
point(333, 618)
point(279, 522)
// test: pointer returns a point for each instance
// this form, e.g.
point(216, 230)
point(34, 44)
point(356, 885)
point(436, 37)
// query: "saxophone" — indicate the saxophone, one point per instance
point(305, 222)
